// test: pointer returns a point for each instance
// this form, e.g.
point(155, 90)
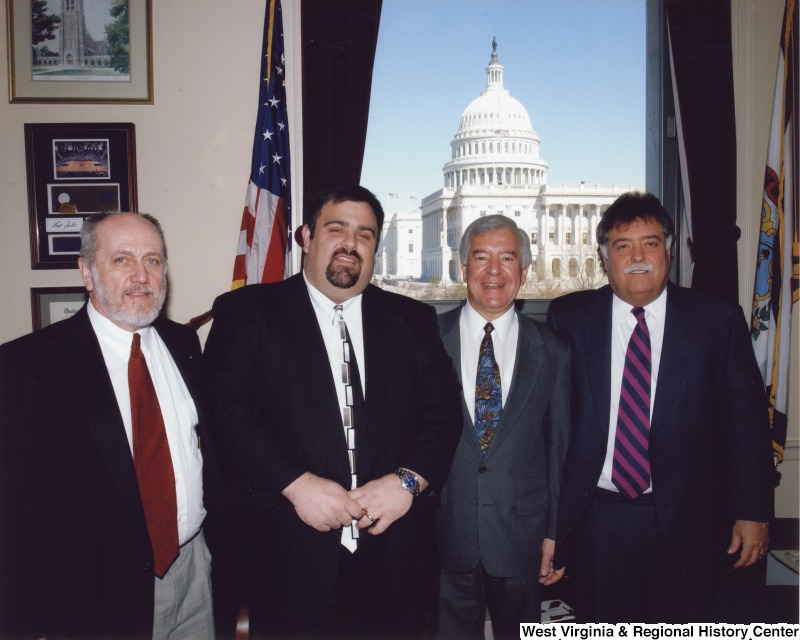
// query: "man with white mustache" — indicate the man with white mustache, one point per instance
point(668, 476)
point(102, 497)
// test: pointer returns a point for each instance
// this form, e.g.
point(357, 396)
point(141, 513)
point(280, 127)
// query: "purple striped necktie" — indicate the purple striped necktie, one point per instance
point(631, 469)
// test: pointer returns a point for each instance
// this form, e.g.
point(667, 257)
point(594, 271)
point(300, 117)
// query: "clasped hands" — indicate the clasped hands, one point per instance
point(324, 504)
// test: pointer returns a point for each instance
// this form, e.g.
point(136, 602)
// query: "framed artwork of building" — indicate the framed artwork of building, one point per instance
point(80, 51)
point(75, 170)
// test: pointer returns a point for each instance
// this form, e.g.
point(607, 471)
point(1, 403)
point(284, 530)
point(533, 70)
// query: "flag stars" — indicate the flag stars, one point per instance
point(261, 169)
point(276, 159)
point(273, 102)
point(281, 126)
point(268, 135)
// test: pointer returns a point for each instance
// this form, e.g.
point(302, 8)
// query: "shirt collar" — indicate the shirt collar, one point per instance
point(324, 306)
point(656, 310)
point(502, 325)
point(112, 335)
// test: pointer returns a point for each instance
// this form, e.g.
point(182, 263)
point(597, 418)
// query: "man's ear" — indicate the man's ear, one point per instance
point(305, 234)
point(86, 274)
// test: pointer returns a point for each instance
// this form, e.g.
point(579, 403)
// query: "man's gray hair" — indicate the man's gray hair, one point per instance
point(89, 233)
point(494, 222)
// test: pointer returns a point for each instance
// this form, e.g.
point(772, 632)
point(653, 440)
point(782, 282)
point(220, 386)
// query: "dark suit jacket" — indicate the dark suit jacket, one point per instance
point(710, 453)
point(497, 508)
point(276, 415)
point(74, 550)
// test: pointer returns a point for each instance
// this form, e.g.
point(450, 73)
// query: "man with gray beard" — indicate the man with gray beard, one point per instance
point(101, 475)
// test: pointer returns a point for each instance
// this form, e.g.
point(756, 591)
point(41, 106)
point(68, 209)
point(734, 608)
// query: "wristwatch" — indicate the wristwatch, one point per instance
point(408, 481)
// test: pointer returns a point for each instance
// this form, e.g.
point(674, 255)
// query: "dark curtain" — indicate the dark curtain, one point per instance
point(338, 49)
point(700, 32)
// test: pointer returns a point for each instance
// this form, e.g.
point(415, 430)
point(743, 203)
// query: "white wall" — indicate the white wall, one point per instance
point(194, 144)
point(193, 150)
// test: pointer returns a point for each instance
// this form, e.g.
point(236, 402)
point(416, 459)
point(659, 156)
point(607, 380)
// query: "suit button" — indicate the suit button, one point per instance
point(482, 469)
point(587, 494)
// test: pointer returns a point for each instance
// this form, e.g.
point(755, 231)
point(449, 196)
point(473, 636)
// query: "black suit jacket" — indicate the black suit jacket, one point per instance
point(75, 556)
point(710, 452)
point(276, 415)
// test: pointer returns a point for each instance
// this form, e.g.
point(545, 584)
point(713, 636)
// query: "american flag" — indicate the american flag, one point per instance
point(264, 250)
point(777, 282)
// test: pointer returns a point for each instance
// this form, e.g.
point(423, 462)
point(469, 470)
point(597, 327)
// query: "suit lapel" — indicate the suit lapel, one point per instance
point(450, 333)
point(597, 322)
point(678, 335)
point(377, 331)
point(305, 339)
point(528, 367)
point(103, 419)
point(183, 357)
point(451, 337)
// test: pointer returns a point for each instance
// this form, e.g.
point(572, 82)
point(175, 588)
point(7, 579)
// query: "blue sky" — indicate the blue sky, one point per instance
point(578, 67)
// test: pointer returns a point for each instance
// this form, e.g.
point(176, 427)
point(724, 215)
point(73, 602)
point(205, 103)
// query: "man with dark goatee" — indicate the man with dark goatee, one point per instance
point(339, 410)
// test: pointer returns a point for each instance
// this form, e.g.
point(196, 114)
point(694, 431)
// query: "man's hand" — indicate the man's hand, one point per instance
point(321, 503)
point(384, 501)
point(753, 540)
point(547, 574)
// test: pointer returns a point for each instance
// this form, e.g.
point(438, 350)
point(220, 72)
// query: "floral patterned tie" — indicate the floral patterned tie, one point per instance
point(488, 392)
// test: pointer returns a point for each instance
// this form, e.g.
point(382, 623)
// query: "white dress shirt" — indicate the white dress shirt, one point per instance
point(177, 408)
point(329, 326)
point(623, 323)
point(504, 341)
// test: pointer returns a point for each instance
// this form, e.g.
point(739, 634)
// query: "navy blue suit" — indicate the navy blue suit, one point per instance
point(710, 452)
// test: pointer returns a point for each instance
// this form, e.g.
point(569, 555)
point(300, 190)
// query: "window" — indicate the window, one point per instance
point(461, 159)
point(573, 267)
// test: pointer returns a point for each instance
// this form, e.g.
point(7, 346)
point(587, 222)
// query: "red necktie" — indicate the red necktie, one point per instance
point(153, 463)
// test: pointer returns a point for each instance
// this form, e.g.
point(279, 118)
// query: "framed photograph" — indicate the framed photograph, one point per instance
point(80, 51)
point(75, 170)
point(51, 304)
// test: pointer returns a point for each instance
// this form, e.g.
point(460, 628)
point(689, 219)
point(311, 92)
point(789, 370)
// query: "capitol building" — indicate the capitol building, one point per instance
point(495, 167)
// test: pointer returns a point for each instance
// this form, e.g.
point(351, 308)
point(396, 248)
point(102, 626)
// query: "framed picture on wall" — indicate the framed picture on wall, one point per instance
point(80, 51)
point(51, 304)
point(75, 170)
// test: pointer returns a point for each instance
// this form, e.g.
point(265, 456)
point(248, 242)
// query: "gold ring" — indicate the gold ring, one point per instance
point(368, 517)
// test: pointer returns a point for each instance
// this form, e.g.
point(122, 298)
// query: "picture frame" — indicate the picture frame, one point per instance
point(51, 304)
point(93, 72)
point(74, 170)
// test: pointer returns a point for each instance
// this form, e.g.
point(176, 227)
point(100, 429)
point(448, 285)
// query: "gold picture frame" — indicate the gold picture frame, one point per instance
point(73, 80)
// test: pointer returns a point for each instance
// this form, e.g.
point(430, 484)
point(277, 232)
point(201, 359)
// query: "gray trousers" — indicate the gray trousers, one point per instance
point(183, 605)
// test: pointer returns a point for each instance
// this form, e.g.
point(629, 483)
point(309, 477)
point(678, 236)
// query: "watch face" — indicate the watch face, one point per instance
point(410, 483)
